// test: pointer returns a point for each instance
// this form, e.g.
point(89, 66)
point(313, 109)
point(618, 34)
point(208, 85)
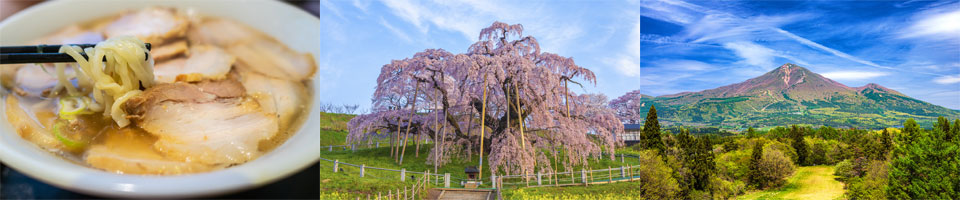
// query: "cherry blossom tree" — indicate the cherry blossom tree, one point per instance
point(628, 107)
point(503, 98)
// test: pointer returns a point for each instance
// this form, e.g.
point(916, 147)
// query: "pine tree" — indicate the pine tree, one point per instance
point(923, 166)
point(703, 164)
point(954, 134)
point(796, 133)
point(886, 143)
point(751, 133)
point(943, 124)
point(753, 173)
point(650, 137)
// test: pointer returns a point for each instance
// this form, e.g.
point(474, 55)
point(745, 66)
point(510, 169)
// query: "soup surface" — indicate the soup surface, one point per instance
point(223, 95)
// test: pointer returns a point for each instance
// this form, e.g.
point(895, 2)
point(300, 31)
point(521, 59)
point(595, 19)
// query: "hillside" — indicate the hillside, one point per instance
point(792, 94)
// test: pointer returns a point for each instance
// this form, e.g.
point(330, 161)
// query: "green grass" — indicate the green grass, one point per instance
point(347, 184)
point(814, 182)
point(620, 190)
point(334, 128)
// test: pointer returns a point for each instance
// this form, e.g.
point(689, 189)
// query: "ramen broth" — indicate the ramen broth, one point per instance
point(158, 140)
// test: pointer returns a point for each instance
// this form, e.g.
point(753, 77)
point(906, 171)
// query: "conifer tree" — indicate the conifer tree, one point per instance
point(753, 174)
point(796, 133)
point(650, 137)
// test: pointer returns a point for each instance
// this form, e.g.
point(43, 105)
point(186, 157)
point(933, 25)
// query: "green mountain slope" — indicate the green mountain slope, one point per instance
point(792, 94)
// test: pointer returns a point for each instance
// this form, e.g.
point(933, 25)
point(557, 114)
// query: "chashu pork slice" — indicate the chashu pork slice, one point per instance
point(203, 62)
point(152, 25)
point(209, 122)
point(169, 50)
point(286, 98)
point(128, 151)
point(220, 32)
point(273, 59)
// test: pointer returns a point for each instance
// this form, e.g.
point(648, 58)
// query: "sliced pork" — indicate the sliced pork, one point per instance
point(203, 62)
point(152, 25)
point(208, 122)
point(129, 151)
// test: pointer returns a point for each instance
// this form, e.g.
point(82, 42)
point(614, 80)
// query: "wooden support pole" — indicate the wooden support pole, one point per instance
point(623, 172)
point(609, 174)
point(483, 123)
point(403, 174)
point(413, 110)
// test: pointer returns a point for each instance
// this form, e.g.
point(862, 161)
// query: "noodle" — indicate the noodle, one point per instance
point(111, 83)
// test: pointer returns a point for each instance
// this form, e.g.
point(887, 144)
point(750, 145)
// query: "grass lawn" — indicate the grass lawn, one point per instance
point(813, 182)
point(620, 190)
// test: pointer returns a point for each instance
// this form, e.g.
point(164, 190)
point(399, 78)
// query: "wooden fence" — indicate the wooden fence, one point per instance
point(537, 179)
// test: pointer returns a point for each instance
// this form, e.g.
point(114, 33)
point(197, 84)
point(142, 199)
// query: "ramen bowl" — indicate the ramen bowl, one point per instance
point(299, 30)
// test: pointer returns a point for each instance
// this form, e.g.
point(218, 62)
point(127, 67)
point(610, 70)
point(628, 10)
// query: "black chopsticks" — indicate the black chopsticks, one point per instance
point(41, 54)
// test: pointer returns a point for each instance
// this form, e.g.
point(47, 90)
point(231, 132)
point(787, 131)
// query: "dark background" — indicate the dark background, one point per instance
point(302, 185)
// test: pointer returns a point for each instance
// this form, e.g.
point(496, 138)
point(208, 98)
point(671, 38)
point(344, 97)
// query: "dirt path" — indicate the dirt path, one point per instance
point(815, 182)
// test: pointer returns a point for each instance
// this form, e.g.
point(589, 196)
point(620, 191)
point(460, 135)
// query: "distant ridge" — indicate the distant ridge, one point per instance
point(791, 94)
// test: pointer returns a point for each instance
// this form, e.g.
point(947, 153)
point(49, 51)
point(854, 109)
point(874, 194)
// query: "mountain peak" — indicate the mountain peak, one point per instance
point(876, 88)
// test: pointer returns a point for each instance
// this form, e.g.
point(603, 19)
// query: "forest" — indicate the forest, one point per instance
point(913, 162)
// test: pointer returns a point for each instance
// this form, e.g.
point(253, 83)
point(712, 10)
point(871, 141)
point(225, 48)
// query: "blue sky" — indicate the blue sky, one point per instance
point(662, 47)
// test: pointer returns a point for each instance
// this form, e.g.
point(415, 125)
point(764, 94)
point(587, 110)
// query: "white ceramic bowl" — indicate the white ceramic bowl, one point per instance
point(292, 26)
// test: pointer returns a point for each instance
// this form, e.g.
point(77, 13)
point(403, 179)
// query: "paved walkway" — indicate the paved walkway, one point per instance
point(464, 194)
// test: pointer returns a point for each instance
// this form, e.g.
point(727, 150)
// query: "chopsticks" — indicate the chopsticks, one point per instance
point(42, 54)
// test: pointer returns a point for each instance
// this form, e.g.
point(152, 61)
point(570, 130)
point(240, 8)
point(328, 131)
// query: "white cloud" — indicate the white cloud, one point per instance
point(753, 54)
point(936, 24)
point(947, 79)
point(719, 26)
point(853, 75)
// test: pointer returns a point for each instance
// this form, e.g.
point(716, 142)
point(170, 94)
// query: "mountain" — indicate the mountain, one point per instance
point(792, 94)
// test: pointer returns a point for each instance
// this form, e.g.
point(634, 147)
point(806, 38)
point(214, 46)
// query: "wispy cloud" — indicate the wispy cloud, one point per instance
point(947, 79)
point(936, 24)
point(399, 33)
point(333, 8)
point(752, 53)
point(853, 75)
point(361, 4)
point(716, 25)
point(628, 63)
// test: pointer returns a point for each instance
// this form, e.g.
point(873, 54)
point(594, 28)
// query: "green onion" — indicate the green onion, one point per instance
point(71, 144)
point(70, 107)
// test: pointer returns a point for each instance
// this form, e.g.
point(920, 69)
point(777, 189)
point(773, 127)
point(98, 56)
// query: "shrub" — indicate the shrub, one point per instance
point(844, 170)
point(656, 176)
point(872, 185)
point(774, 168)
point(726, 189)
point(733, 164)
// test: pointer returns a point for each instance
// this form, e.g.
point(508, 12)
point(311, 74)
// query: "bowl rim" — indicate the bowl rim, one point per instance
point(31, 160)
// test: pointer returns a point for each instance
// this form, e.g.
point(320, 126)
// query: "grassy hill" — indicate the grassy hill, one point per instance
point(348, 185)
